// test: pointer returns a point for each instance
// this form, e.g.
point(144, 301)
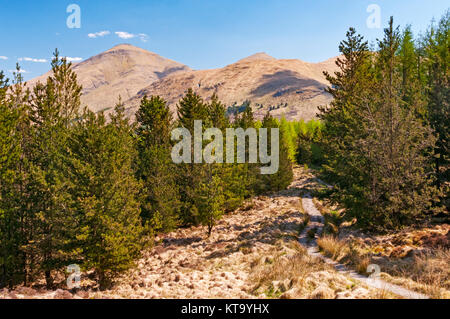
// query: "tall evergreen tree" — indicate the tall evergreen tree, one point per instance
point(437, 64)
point(210, 200)
point(399, 187)
point(106, 193)
point(284, 176)
point(54, 106)
point(410, 82)
point(380, 163)
point(11, 261)
point(248, 172)
point(350, 87)
point(218, 113)
point(18, 103)
point(233, 190)
point(191, 108)
point(154, 166)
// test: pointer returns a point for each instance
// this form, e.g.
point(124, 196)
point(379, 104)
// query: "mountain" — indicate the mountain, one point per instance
point(292, 88)
point(258, 56)
point(121, 71)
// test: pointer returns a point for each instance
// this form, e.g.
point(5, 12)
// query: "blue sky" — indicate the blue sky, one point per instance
point(202, 34)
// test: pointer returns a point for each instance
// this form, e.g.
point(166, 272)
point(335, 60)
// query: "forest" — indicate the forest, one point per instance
point(93, 189)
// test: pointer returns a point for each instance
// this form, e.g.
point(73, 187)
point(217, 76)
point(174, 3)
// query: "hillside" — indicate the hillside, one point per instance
point(253, 253)
point(287, 87)
point(264, 250)
point(120, 71)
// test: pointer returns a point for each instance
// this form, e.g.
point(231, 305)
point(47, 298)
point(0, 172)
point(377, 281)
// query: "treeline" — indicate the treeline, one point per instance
point(89, 189)
point(384, 139)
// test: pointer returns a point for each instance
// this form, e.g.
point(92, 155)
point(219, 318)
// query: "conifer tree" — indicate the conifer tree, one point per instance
point(11, 262)
point(54, 106)
point(284, 176)
point(218, 113)
point(412, 82)
point(342, 123)
point(154, 166)
point(210, 199)
point(379, 162)
point(18, 103)
point(248, 172)
point(232, 186)
point(106, 193)
point(399, 187)
point(438, 95)
point(191, 108)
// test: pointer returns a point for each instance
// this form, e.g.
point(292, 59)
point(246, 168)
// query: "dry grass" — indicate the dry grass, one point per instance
point(295, 275)
point(428, 273)
point(294, 268)
point(305, 223)
point(333, 248)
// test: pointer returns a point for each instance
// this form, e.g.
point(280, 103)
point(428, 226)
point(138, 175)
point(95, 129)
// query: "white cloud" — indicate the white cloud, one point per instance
point(20, 71)
point(143, 37)
point(3, 57)
point(33, 60)
point(98, 34)
point(70, 59)
point(126, 35)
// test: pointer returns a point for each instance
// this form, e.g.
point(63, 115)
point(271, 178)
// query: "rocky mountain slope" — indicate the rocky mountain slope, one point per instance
point(121, 71)
point(292, 88)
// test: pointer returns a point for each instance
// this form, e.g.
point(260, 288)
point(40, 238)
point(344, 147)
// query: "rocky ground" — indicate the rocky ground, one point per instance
point(252, 253)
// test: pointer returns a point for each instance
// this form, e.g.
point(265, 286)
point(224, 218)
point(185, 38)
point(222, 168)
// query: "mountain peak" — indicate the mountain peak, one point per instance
point(125, 46)
point(122, 71)
point(258, 56)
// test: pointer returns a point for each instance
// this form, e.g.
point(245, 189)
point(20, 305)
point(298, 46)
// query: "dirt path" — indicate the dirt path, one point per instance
point(316, 224)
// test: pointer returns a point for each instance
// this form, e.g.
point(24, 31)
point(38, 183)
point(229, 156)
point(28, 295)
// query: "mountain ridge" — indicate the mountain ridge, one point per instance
point(285, 87)
point(120, 71)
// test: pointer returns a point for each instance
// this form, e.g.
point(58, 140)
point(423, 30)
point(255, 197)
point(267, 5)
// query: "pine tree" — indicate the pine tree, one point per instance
point(438, 95)
point(349, 87)
point(191, 108)
point(379, 162)
point(411, 86)
point(18, 103)
point(284, 176)
point(218, 113)
point(248, 172)
point(155, 167)
point(232, 186)
point(210, 199)
point(11, 263)
point(399, 188)
point(54, 106)
point(106, 193)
